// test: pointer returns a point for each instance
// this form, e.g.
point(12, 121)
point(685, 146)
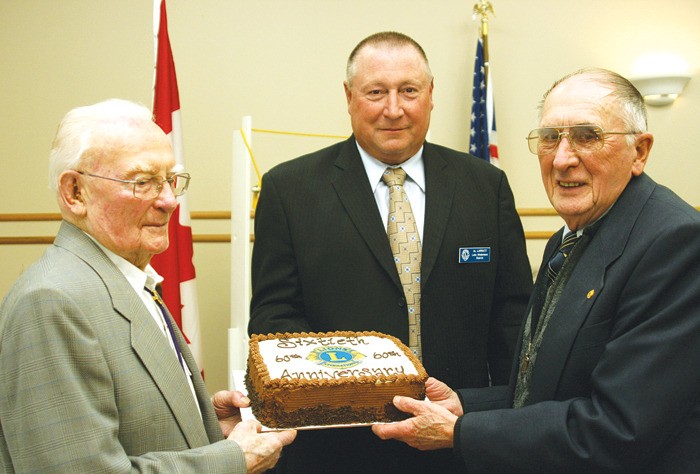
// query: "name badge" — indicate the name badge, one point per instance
point(474, 254)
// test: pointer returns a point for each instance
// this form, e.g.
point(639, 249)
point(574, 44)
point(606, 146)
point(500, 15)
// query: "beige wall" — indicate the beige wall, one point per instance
point(282, 61)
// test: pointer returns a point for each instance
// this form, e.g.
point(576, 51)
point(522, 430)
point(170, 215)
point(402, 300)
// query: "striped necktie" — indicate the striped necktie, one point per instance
point(557, 261)
point(406, 247)
point(166, 316)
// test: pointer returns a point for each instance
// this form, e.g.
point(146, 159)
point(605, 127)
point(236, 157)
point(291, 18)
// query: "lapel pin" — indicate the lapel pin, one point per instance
point(590, 294)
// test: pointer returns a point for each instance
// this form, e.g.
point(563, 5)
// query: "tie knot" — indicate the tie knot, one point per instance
point(568, 243)
point(394, 176)
point(557, 261)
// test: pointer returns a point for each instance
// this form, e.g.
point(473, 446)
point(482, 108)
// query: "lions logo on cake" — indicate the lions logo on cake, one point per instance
point(336, 357)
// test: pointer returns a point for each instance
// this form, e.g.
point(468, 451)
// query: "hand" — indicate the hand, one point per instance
point(261, 450)
point(227, 405)
point(432, 425)
point(440, 394)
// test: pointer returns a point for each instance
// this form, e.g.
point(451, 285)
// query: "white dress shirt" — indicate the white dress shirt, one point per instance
point(414, 185)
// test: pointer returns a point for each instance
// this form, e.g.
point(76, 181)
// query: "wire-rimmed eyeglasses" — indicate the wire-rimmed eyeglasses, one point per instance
point(151, 188)
point(582, 138)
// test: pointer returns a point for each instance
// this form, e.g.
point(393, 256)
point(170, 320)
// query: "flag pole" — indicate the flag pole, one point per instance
point(483, 9)
point(483, 141)
point(156, 30)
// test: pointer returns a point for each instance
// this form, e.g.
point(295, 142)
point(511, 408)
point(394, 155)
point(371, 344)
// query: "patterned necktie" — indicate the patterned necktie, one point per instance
point(161, 305)
point(557, 261)
point(534, 330)
point(406, 247)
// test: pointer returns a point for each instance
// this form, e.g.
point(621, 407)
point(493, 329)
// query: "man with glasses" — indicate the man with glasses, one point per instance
point(94, 374)
point(607, 376)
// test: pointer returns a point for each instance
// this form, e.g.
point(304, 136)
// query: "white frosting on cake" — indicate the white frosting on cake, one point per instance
point(333, 358)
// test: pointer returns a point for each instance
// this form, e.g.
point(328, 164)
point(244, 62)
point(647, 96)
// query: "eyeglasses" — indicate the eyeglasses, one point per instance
point(582, 138)
point(151, 188)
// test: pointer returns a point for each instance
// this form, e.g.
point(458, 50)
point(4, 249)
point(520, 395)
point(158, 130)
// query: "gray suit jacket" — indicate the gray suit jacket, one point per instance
point(616, 384)
point(88, 383)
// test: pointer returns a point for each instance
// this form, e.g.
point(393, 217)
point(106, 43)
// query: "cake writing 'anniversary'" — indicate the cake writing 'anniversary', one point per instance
point(343, 377)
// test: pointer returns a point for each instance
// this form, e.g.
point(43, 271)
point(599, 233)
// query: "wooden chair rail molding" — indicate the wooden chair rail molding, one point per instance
point(217, 215)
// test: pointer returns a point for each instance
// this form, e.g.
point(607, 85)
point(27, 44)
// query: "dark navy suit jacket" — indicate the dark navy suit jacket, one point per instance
point(616, 385)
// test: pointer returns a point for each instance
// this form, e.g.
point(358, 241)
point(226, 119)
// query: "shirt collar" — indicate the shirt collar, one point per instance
point(375, 168)
point(589, 228)
point(137, 278)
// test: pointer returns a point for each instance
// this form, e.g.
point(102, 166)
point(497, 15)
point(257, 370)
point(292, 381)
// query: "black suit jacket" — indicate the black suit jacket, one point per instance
point(616, 385)
point(322, 262)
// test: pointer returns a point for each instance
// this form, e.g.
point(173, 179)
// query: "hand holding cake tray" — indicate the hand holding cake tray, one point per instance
point(330, 379)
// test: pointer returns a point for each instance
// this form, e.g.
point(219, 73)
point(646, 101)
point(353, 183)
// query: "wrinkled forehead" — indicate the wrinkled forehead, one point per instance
point(125, 141)
point(382, 58)
point(580, 100)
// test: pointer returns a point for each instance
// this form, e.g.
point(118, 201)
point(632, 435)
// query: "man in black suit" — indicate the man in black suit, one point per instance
point(322, 260)
point(608, 373)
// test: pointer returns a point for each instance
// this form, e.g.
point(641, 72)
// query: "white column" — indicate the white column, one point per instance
point(241, 205)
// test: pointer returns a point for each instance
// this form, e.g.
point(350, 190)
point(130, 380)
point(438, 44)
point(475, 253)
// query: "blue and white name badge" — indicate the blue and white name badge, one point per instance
point(474, 254)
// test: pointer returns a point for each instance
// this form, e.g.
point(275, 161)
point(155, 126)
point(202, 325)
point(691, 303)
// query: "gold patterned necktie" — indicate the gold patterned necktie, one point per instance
point(406, 247)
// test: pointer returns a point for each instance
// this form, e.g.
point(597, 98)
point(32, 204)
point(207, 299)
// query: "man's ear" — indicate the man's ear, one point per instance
point(642, 149)
point(348, 93)
point(71, 193)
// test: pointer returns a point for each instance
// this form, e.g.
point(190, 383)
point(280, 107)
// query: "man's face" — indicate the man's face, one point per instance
point(389, 102)
point(133, 228)
point(583, 185)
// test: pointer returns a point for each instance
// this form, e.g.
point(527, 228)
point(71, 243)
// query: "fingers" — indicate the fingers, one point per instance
point(239, 400)
point(390, 430)
point(409, 405)
point(439, 393)
point(229, 398)
point(431, 427)
point(245, 428)
point(436, 390)
point(286, 437)
point(400, 430)
point(261, 450)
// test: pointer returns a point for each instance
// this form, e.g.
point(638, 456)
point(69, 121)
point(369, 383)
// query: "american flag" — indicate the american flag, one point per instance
point(175, 264)
point(483, 142)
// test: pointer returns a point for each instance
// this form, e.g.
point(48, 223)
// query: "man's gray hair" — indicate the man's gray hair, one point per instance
point(632, 107)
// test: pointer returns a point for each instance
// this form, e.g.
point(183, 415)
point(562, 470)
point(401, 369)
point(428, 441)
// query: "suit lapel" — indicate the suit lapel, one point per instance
point(157, 356)
point(147, 339)
point(584, 286)
point(211, 423)
point(439, 193)
point(353, 189)
point(352, 186)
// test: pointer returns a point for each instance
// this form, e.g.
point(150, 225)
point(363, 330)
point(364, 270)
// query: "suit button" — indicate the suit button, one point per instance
point(401, 302)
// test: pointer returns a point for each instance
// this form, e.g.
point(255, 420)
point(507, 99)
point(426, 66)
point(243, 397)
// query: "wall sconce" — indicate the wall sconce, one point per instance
point(660, 90)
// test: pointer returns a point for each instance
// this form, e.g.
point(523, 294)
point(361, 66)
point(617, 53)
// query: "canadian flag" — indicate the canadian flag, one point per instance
point(175, 264)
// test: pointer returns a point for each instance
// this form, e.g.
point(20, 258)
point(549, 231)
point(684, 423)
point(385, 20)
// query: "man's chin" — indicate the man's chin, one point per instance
point(158, 246)
point(395, 155)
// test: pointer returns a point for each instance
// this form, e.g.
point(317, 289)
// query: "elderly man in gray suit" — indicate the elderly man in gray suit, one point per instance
point(94, 374)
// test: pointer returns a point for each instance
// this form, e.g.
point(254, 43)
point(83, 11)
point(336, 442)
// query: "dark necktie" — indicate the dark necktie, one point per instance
point(166, 317)
point(406, 247)
point(557, 261)
point(554, 265)
point(533, 333)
